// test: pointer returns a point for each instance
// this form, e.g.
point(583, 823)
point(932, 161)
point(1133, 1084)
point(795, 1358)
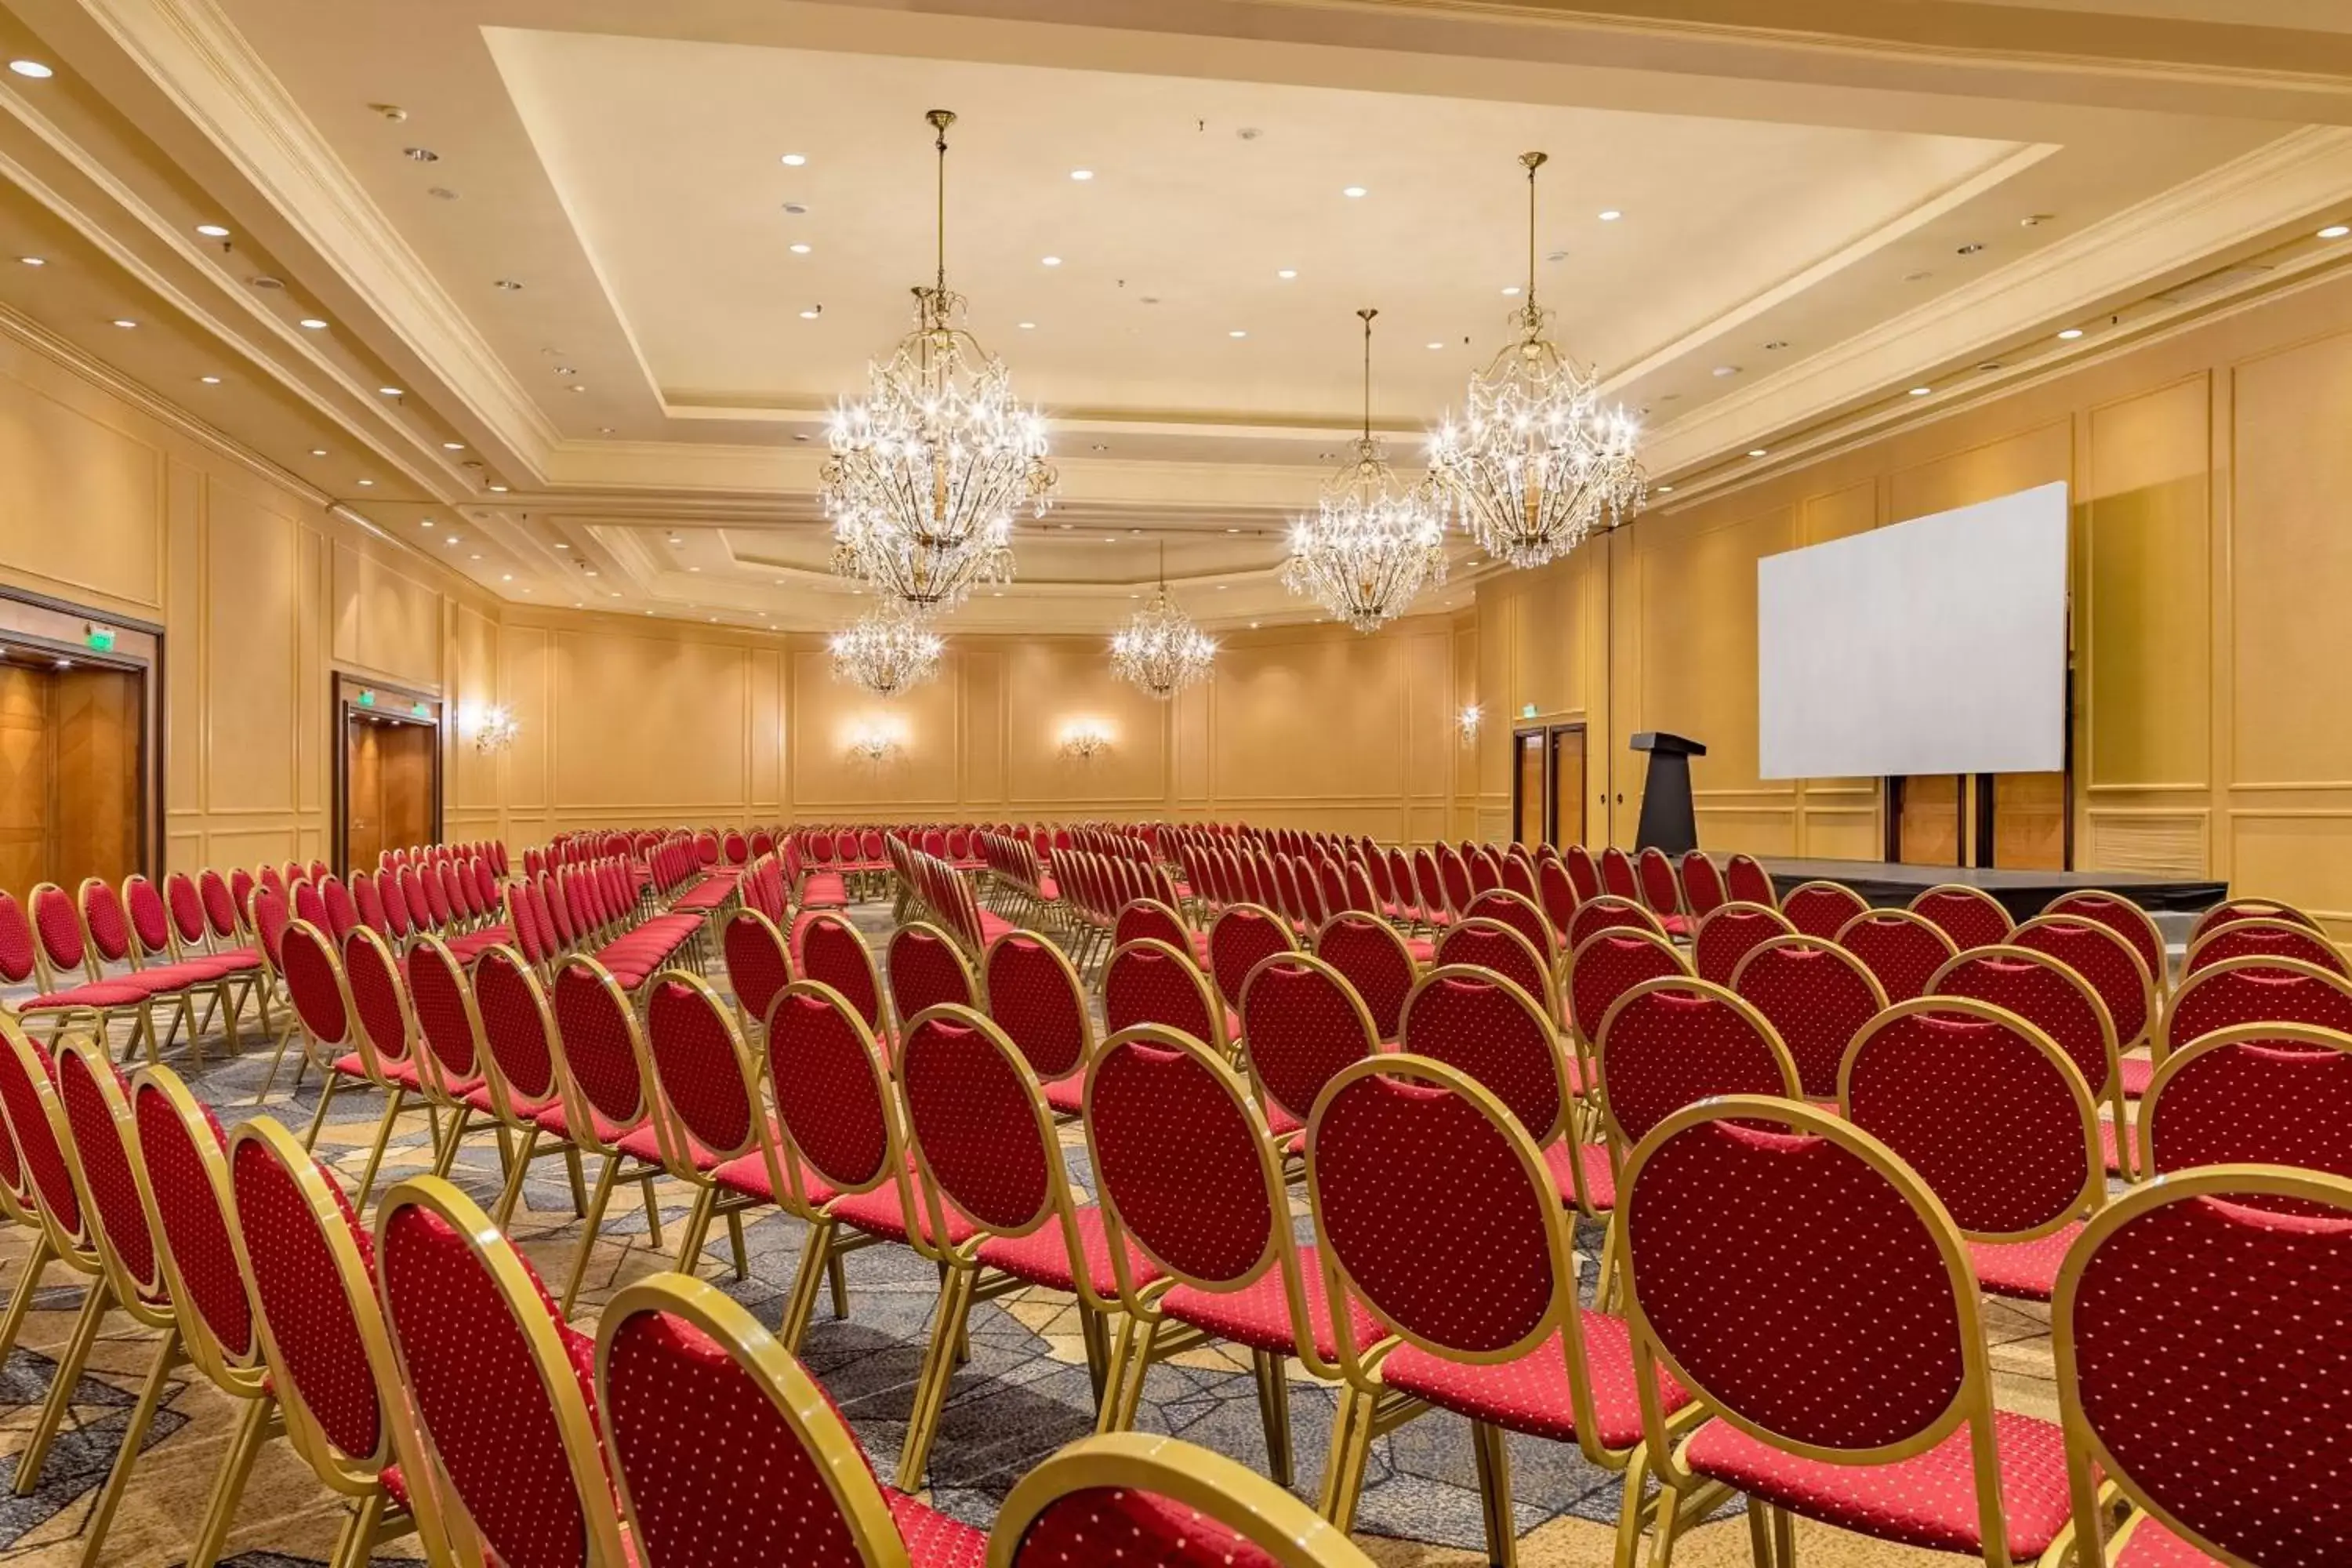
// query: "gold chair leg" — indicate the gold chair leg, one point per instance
point(816, 1261)
point(1784, 1538)
point(1343, 1468)
point(516, 1173)
point(1629, 1508)
point(579, 1181)
point(37, 1262)
point(134, 1436)
point(94, 1304)
point(697, 1226)
point(1273, 1411)
point(653, 1211)
point(220, 1513)
point(840, 1279)
point(1490, 1446)
point(735, 1244)
point(328, 1084)
point(352, 1551)
point(595, 1217)
point(445, 1154)
point(938, 1372)
point(376, 1153)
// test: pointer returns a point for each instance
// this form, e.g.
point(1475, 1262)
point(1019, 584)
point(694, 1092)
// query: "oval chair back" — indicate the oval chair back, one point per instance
point(1478, 1023)
point(1822, 908)
point(2254, 990)
point(927, 969)
point(1150, 917)
point(1903, 949)
point(2123, 917)
point(835, 952)
point(1489, 944)
point(1148, 981)
point(2106, 960)
point(1607, 964)
point(602, 1051)
point(1669, 1043)
point(37, 1136)
point(184, 1180)
point(1816, 995)
point(1703, 890)
point(2255, 1094)
point(2223, 1455)
point(1036, 997)
point(501, 1385)
point(983, 1136)
point(1556, 894)
point(1519, 872)
point(707, 1080)
point(1607, 912)
point(1730, 934)
point(1304, 1022)
point(1745, 879)
point(2272, 938)
point(520, 1030)
point(1618, 878)
point(448, 1027)
point(314, 980)
point(832, 1090)
point(2237, 909)
point(1520, 914)
point(95, 1100)
point(1661, 889)
point(1375, 960)
point(1583, 872)
point(1970, 916)
point(2048, 994)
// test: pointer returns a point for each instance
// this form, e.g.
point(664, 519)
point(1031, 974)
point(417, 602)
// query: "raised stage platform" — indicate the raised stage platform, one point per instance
point(2022, 893)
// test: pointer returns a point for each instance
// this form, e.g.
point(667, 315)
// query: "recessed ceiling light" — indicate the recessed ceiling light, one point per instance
point(1922, 391)
point(424, 522)
point(800, 250)
point(501, 489)
point(1028, 326)
point(1610, 215)
point(1756, 451)
point(1726, 369)
point(32, 260)
point(1511, 289)
point(1253, 625)
point(367, 484)
point(209, 380)
point(1353, 191)
point(562, 546)
point(33, 68)
point(2336, 231)
point(1664, 490)
point(506, 576)
point(389, 391)
point(451, 540)
point(318, 451)
point(1287, 273)
point(453, 445)
point(420, 154)
point(1237, 333)
point(1049, 260)
point(794, 160)
point(1082, 174)
point(212, 231)
point(311, 324)
point(812, 313)
point(125, 323)
point(591, 572)
point(579, 386)
point(2071, 334)
point(477, 555)
point(1437, 345)
point(694, 568)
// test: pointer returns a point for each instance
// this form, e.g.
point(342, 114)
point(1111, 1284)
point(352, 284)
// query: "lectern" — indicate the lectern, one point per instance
point(1668, 820)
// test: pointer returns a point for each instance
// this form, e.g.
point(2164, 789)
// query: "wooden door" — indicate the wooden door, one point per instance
point(1568, 784)
point(97, 724)
point(2028, 821)
point(407, 790)
point(28, 784)
point(1928, 820)
point(1528, 799)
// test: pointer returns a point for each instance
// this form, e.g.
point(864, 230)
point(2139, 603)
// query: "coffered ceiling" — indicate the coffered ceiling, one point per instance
point(578, 321)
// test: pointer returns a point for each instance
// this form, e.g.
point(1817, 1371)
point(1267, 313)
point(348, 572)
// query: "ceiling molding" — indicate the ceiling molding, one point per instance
point(197, 55)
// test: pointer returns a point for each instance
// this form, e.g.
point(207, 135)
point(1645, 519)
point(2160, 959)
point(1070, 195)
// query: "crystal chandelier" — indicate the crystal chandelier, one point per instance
point(1162, 650)
point(1372, 542)
point(928, 472)
point(1538, 463)
point(886, 651)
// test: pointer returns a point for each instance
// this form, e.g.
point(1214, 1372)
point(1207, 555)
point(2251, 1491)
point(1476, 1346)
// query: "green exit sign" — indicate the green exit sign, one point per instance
point(101, 638)
point(367, 698)
point(421, 711)
point(1528, 712)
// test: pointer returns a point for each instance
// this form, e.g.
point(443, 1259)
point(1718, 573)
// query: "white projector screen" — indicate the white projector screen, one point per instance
point(1932, 647)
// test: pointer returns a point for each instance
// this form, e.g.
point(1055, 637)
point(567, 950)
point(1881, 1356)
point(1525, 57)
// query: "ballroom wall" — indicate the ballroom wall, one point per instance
point(2211, 565)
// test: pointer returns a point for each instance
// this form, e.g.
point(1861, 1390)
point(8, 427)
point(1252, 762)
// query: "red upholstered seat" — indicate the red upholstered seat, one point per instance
point(2137, 1073)
point(402, 1073)
point(1530, 1393)
point(824, 890)
point(933, 1540)
point(1067, 1096)
point(1599, 1181)
point(1928, 1501)
point(1259, 1314)
point(2150, 1545)
point(121, 993)
point(2025, 1269)
point(878, 1213)
point(1043, 1257)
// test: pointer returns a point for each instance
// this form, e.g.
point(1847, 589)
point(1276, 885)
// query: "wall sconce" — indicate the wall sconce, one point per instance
point(1469, 720)
point(872, 744)
point(495, 729)
point(1085, 738)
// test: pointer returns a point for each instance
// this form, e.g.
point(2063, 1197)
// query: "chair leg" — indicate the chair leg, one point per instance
point(840, 1279)
point(1784, 1538)
point(1274, 1410)
point(353, 1551)
point(37, 1262)
point(94, 1303)
point(579, 1181)
point(1095, 1331)
point(220, 1513)
point(134, 1435)
point(595, 1217)
point(276, 1061)
point(516, 1173)
point(1343, 1468)
point(735, 1244)
point(328, 1084)
point(653, 1212)
point(697, 1226)
point(938, 1373)
point(1488, 1445)
point(817, 1260)
point(376, 1153)
point(444, 1152)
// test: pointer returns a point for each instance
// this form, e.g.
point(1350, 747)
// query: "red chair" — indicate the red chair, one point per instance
point(2253, 1094)
point(2186, 1327)
point(985, 1147)
point(385, 1039)
point(2052, 997)
point(1477, 1022)
point(1728, 934)
point(833, 951)
point(926, 968)
point(1149, 982)
point(1820, 909)
point(2238, 909)
point(524, 1088)
point(1609, 912)
point(1903, 949)
point(1816, 995)
point(2254, 990)
point(1661, 889)
point(1618, 878)
point(1436, 1212)
point(1603, 967)
point(603, 1059)
point(759, 961)
point(1489, 944)
point(1381, 965)
point(1126, 1499)
point(2272, 938)
point(1583, 874)
point(1150, 917)
point(1745, 880)
point(1670, 1043)
point(1304, 1021)
point(1556, 894)
point(1034, 995)
point(1703, 890)
point(2123, 917)
point(1995, 1116)
point(1521, 915)
point(2095, 951)
point(1814, 1296)
point(719, 1139)
point(309, 1271)
point(322, 1014)
point(724, 1449)
point(1970, 916)
point(501, 1385)
point(1166, 1119)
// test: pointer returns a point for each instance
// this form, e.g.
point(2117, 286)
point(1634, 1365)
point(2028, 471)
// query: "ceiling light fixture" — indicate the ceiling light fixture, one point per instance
point(2336, 231)
point(798, 250)
point(1610, 215)
point(886, 651)
point(1923, 392)
point(209, 380)
point(1354, 191)
point(1028, 326)
point(32, 260)
point(453, 445)
point(812, 313)
point(318, 451)
point(125, 323)
point(1373, 542)
point(212, 231)
point(794, 160)
point(929, 470)
point(33, 68)
point(367, 484)
point(1237, 333)
point(1287, 273)
point(1756, 451)
point(389, 391)
point(2071, 334)
point(1160, 649)
point(1082, 174)
point(311, 324)
point(1538, 463)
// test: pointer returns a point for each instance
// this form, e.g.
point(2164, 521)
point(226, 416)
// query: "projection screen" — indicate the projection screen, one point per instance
point(1932, 647)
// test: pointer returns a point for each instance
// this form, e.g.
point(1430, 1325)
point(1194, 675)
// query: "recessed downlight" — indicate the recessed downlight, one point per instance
point(1756, 451)
point(1511, 290)
point(812, 313)
point(1664, 489)
point(1609, 215)
point(1028, 326)
point(212, 231)
point(33, 260)
point(1238, 332)
point(453, 445)
point(2071, 334)
point(209, 380)
point(318, 451)
point(389, 392)
point(2336, 231)
point(1437, 344)
point(311, 324)
point(125, 323)
point(499, 490)
point(33, 68)
point(367, 484)
point(794, 160)
point(800, 250)
point(1923, 392)
point(1287, 273)
point(1353, 192)
point(1082, 174)
point(1049, 261)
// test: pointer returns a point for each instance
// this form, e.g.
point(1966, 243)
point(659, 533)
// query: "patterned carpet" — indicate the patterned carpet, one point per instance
point(1024, 1392)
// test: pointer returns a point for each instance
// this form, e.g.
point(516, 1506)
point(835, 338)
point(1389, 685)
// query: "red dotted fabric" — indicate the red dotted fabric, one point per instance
point(1150, 985)
point(1731, 935)
point(34, 1138)
point(832, 951)
point(1817, 998)
point(60, 928)
point(925, 971)
point(2211, 1347)
point(1482, 944)
point(374, 979)
point(1240, 938)
point(2273, 939)
point(696, 1054)
point(1108, 1527)
point(1668, 1049)
point(515, 1027)
point(309, 965)
point(1034, 999)
point(1180, 1161)
point(591, 1021)
point(758, 966)
point(2055, 1001)
point(2256, 1104)
point(1482, 1028)
point(2222, 998)
point(1970, 919)
point(1302, 1025)
point(1533, 1392)
point(106, 1168)
point(302, 1295)
point(1822, 909)
point(1904, 954)
point(17, 960)
point(437, 991)
point(2105, 960)
point(972, 1114)
point(1379, 965)
point(829, 1089)
point(194, 1227)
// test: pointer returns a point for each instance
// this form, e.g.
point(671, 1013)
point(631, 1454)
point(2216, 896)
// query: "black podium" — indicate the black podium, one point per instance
point(1667, 821)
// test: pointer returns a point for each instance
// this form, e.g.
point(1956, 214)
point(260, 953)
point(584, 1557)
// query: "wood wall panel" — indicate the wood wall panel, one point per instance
point(81, 488)
point(252, 558)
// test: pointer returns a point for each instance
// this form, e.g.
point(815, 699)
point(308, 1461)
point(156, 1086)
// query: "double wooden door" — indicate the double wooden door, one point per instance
point(1548, 784)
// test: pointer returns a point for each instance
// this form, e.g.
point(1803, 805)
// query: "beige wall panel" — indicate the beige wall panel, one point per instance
point(81, 498)
point(2134, 839)
point(1431, 734)
point(313, 766)
point(387, 622)
point(2142, 602)
point(525, 671)
point(2292, 559)
point(767, 720)
point(1699, 632)
point(1837, 513)
point(1500, 609)
point(471, 779)
point(183, 651)
point(987, 686)
point(1544, 640)
point(250, 846)
point(1317, 719)
point(1195, 723)
point(827, 781)
point(2038, 456)
point(252, 572)
point(1050, 684)
point(2302, 856)
point(647, 724)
